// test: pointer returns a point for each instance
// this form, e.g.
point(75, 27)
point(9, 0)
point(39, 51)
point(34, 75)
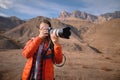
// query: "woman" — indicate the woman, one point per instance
point(40, 56)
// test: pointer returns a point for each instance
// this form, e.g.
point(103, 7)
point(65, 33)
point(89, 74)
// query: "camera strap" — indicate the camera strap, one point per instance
point(64, 57)
point(51, 46)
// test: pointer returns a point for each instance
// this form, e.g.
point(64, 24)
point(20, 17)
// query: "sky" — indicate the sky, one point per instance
point(27, 9)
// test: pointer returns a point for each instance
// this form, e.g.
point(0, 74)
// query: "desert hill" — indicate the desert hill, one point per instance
point(85, 35)
point(7, 23)
point(84, 32)
point(105, 36)
point(29, 29)
point(25, 31)
point(7, 43)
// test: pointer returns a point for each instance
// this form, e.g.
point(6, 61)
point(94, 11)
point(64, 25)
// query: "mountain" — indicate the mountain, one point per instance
point(7, 43)
point(105, 36)
point(113, 15)
point(83, 16)
point(7, 23)
point(77, 14)
point(29, 29)
point(101, 33)
point(108, 16)
point(64, 14)
point(86, 35)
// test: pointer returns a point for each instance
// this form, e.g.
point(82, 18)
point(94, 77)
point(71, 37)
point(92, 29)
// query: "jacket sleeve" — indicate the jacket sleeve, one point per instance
point(58, 53)
point(31, 47)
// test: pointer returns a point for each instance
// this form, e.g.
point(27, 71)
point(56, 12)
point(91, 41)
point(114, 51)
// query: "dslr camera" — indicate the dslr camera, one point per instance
point(63, 32)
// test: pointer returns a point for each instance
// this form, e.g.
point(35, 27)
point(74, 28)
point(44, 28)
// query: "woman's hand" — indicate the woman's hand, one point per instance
point(43, 30)
point(54, 38)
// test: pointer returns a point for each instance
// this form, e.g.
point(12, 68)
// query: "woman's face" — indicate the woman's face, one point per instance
point(43, 28)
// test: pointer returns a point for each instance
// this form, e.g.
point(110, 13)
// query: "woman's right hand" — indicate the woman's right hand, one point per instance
point(43, 30)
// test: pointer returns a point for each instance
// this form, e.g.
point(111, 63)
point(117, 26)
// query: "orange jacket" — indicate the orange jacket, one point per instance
point(29, 51)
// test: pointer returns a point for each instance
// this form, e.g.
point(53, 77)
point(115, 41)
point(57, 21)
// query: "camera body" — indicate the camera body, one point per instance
point(63, 32)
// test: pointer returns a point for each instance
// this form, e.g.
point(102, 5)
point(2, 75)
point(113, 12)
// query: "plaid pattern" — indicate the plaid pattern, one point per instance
point(39, 76)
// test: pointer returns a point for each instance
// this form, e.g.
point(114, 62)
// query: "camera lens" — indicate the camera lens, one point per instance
point(62, 32)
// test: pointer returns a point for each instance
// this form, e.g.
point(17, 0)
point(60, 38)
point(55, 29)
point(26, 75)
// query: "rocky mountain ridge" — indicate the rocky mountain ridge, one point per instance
point(64, 15)
point(77, 14)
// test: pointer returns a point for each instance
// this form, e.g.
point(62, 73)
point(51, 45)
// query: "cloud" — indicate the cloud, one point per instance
point(52, 8)
point(26, 9)
point(6, 4)
point(38, 7)
point(52, 5)
point(101, 6)
point(2, 14)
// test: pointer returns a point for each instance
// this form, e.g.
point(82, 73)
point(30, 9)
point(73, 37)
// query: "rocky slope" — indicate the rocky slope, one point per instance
point(6, 43)
point(7, 23)
point(79, 15)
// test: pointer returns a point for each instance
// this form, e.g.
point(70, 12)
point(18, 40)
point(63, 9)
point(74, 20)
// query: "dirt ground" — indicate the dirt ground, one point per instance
point(78, 66)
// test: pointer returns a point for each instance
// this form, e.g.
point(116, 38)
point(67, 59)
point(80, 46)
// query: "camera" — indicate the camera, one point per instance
point(63, 32)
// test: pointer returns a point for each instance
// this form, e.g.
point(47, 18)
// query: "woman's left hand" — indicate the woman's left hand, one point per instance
point(54, 38)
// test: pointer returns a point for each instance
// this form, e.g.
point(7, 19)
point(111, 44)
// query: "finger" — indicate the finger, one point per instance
point(44, 28)
point(41, 27)
point(43, 31)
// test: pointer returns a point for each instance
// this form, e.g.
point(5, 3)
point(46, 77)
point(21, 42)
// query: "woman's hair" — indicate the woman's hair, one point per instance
point(45, 21)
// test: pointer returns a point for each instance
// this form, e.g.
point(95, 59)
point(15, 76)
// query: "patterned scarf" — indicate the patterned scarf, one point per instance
point(38, 60)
